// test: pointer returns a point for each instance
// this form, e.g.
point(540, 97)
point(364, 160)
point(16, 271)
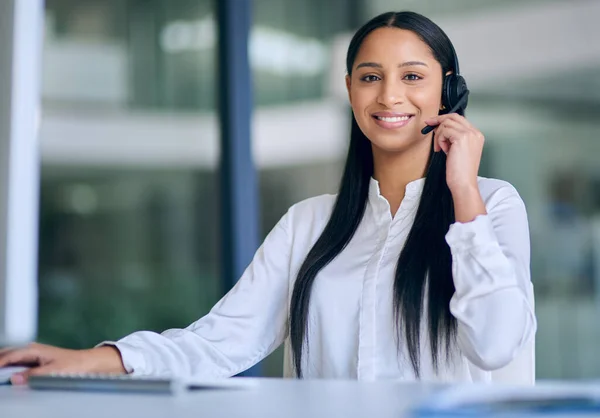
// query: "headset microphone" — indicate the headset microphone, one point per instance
point(457, 106)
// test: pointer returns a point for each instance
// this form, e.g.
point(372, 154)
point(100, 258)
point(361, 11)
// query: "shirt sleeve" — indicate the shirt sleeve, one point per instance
point(493, 301)
point(245, 326)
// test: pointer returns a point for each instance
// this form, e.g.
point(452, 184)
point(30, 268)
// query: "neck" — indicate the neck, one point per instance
point(394, 171)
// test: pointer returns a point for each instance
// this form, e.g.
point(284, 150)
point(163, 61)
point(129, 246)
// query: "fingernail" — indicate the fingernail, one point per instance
point(17, 379)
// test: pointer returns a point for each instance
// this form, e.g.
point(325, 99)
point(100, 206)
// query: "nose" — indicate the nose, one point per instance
point(391, 93)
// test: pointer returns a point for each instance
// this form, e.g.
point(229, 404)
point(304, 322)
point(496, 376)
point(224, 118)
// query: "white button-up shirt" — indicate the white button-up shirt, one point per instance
point(351, 329)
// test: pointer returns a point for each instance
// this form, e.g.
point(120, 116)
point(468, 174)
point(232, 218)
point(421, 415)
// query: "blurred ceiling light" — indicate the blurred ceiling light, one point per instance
point(272, 51)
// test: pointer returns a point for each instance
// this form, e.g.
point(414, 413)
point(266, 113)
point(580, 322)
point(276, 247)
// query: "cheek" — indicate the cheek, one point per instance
point(361, 103)
point(425, 99)
point(359, 100)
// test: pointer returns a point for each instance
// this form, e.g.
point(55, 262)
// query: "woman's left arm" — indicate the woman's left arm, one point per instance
point(490, 266)
point(493, 301)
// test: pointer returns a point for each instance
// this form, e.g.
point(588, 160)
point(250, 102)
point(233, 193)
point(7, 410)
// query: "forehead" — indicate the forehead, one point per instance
point(393, 46)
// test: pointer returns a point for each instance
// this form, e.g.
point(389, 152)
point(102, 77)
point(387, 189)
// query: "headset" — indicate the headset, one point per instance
point(455, 94)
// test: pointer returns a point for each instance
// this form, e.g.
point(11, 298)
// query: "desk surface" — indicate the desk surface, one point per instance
point(271, 398)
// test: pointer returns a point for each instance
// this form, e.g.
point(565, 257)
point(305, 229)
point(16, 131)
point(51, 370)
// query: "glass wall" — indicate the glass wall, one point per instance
point(129, 207)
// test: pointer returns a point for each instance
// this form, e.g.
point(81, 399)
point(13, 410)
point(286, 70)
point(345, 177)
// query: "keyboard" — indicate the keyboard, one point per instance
point(132, 383)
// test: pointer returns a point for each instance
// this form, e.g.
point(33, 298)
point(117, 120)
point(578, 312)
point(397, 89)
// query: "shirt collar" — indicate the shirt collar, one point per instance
point(412, 195)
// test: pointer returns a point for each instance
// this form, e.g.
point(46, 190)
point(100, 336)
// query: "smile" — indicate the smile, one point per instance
point(390, 121)
point(393, 119)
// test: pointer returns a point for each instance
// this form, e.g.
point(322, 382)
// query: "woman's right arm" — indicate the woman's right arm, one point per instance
point(245, 326)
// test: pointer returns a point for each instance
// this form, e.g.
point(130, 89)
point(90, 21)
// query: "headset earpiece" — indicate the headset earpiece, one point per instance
point(453, 91)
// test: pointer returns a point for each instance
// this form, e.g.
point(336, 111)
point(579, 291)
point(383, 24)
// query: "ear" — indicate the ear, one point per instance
point(442, 107)
point(348, 84)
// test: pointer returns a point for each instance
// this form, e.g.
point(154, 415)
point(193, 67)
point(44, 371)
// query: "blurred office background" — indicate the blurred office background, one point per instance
point(130, 146)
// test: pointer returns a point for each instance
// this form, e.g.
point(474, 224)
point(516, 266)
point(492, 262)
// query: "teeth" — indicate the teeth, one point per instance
point(393, 119)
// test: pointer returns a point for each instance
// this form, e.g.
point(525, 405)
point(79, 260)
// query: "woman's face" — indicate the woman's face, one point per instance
point(395, 85)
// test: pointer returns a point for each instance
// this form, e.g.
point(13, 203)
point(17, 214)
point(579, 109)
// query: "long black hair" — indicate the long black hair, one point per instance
point(425, 260)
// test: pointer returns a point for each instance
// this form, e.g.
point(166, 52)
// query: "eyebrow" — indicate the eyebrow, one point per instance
point(376, 65)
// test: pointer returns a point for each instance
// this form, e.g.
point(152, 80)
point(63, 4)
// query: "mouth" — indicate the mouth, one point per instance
point(392, 120)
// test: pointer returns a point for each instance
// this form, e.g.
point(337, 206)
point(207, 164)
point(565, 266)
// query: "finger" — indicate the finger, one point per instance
point(21, 378)
point(436, 146)
point(450, 133)
point(461, 120)
point(432, 121)
point(442, 144)
point(21, 356)
point(4, 351)
point(18, 379)
point(449, 123)
point(445, 136)
point(464, 131)
point(437, 120)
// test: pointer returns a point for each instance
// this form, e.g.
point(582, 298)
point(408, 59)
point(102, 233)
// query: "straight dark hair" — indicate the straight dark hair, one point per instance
point(425, 261)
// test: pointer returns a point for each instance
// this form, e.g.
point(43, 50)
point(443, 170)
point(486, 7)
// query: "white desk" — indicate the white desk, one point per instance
point(271, 398)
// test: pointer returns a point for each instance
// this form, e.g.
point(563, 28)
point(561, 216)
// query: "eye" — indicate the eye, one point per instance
point(370, 78)
point(412, 77)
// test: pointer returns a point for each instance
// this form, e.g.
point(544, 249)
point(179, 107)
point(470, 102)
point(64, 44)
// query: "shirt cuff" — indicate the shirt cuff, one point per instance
point(464, 236)
point(132, 357)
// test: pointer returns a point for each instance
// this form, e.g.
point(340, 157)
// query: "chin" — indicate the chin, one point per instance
point(393, 143)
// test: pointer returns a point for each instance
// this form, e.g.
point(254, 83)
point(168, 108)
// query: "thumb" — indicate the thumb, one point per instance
point(21, 378)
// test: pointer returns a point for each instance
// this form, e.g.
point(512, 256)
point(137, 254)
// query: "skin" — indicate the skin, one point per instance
point(47, 359)
point(405, 79)
point(395, 73)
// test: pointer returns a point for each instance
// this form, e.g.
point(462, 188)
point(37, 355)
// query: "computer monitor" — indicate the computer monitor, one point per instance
point(21, 31)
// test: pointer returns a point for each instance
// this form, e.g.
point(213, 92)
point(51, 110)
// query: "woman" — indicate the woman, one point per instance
point(416, 269)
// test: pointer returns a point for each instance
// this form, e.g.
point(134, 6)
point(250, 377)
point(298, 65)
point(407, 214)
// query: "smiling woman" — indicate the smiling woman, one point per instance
point(396, 65)
point(416, 269)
